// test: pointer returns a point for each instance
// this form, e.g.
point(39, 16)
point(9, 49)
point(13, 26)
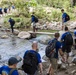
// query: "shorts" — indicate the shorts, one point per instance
point(54, 64)
point(66, 49)
point(66, 23)
point(33, 24)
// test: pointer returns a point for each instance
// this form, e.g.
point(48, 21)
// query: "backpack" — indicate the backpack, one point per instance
point(5, 10)
point(30, 62)
point(68, 39)
point(67, 17)
point(50, 49)
point(36, 19)
point(13, 21)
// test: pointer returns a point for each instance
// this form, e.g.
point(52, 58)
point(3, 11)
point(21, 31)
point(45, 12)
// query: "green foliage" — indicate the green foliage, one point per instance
point(72, 16)
point(23, 15)
point(40, 13)
point(56, 15)
point(66, 4)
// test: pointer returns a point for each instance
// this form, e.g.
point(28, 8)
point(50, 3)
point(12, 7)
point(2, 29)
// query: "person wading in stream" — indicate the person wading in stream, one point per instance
point(31, 60)
point(12, 22)
point(53, 55)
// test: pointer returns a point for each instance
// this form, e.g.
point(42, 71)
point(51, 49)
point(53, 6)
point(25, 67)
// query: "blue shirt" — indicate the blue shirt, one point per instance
point(75, 32)
point(13, 7)
point(38, 56)
point(63, 37)
point(10, 21)
point(58, 46)
point(63, 17)
point(6, 70)
point(0, 9)
point(32, 19)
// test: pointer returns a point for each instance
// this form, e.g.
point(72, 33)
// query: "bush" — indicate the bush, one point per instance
point(56, 15)
point(66, 4)
point(40, 13)
point(18, 20)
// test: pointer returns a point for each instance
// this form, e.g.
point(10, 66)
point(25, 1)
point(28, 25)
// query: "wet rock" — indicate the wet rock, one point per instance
point(16, 32)
point(3, 30)
point(24, 35)
point(73, 72)
point(56, 25)
point(63, 67)
point(33, 35)
point(44, 39)
point(71, 64)
point(74, 60)
point(4, 36)
point(66, 72)
point(7, 30)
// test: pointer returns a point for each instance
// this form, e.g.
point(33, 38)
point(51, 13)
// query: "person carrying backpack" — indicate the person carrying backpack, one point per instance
point(12, 22)
point(65, 19)
point(55, 47)
point(11, 68)
point(31, 60)
point(34, 20)
point(5, 10)
point(67, 42)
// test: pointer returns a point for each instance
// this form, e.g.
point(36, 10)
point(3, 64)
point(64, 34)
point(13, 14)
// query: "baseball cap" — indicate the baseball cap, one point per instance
point(13, 61)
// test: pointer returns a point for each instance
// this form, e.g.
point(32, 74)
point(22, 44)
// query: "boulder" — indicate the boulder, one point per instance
point(3, 30)
point(7, 30)
point(24, 35)
point(74, 60)
point(4, 36)
point(73, 72)
point(33, 35)
point(43, 39)
point(16, 32)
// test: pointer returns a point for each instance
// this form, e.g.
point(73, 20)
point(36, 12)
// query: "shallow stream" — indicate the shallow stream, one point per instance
point(14, 46)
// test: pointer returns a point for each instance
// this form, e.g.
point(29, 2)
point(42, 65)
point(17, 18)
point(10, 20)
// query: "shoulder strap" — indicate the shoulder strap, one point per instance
point(11, 71)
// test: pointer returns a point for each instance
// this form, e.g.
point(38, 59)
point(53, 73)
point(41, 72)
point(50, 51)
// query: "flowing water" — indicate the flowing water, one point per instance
point(14, 46)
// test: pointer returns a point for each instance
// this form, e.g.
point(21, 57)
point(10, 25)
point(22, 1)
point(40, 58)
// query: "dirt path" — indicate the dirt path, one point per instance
point(67, 71)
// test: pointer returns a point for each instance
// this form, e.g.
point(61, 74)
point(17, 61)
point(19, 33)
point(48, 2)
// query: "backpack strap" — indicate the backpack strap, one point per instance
point(11, 71)
point(52, 41)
